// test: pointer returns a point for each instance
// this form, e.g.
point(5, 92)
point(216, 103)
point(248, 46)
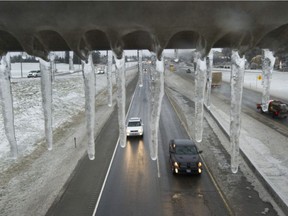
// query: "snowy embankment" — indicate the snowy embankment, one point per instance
point(37, 177)
point(279, 87)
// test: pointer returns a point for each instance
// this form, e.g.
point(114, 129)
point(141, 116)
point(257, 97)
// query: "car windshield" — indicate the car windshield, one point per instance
point(134, 124)
point(186, 150)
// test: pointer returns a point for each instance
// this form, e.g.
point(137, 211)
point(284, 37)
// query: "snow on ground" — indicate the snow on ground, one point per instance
point(279, 86)
point(37, 177)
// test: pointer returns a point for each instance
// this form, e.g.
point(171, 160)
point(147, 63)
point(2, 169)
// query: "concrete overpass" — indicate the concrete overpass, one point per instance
point(42, 26)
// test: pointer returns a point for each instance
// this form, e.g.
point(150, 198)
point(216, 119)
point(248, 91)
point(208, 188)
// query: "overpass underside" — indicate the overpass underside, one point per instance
point(40, 27)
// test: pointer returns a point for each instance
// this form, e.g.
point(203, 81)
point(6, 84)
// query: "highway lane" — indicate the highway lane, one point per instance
point(182, 194)
point(133, 186)
point(81, 191)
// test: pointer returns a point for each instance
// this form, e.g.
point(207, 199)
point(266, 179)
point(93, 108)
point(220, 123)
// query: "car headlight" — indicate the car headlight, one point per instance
point(140, 130)
point(199, 164)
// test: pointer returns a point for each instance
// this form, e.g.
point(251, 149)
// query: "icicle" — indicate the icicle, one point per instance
point(157, 92)
point(71, 65)
point(200, 83)
point(121, 98)
point(268, 62)
point(89, 87)
point(176, 55)
point(209, 78)
point(109, 77)
point(7, 104)
point(140, 68)
point(237, 80)
point(52, 65)
point(46, 89)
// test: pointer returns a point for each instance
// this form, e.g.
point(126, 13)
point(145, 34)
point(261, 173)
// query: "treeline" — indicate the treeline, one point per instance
point(97, 58)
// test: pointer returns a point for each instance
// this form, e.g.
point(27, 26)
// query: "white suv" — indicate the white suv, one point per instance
point(134, 127)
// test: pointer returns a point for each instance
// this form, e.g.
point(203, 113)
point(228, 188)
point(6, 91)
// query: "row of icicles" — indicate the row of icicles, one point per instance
point(203, 80)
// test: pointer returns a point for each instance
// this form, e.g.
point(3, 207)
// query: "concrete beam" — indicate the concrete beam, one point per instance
point(39, 27)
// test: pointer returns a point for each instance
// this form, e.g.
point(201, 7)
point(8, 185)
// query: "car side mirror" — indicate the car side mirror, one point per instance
point(200, 152)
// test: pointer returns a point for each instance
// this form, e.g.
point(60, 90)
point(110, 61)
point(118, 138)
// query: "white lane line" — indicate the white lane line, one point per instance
point(112, 159)
point(104, 183)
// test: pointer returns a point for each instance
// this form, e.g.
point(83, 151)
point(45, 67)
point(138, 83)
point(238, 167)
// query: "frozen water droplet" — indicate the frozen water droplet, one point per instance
point(268, 62)
point(237, 71)
point(209, 78)
point(7, 104)
point(71, 65)
point(109, 77)
point(89, 87)
point(156, 95)
point(140, 68)
point(46, 90)
point(121, 98)
point(200, 84)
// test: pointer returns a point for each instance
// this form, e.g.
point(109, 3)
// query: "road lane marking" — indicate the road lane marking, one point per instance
point(112, 159)
point(206, 168)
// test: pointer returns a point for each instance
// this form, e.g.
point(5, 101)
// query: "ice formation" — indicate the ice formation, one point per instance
point(200, 84)
point(140, 68)
point(268, 62)
point(7, 103)
point(46, 90)
point(109, 77)
point(156, 95)
point(209, 78)
point(89, 86)
point(237, 80)
point(121, 98)
point(52, 65)
point(71, 65)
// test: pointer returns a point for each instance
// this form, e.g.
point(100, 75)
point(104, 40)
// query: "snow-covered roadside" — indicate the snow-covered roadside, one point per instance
point(29, 185)
point(279, 87)
point(255, 140)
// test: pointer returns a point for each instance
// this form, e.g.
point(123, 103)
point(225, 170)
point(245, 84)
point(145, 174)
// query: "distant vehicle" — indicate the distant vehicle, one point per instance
point(134, 127)
point(184, 157)
point(100, 71)
point(276, 108)
point(216, 79)
point(33, 74)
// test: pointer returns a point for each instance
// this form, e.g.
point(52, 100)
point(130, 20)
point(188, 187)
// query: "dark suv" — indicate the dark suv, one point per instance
point(184, 157)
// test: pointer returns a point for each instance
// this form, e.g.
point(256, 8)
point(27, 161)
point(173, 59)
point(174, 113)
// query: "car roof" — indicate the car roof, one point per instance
point(134, 119)
point(182, 142)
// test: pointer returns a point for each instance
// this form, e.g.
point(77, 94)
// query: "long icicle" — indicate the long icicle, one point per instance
point(71, 65)
point(46, 90)
point(89, 87)
point(200, 83)
point(237, 80)
point(140, 68)
point(209, 78)
point(268, 62)
point(157, 92)
point(109, 77)
point(121, 98)
point(7, 104)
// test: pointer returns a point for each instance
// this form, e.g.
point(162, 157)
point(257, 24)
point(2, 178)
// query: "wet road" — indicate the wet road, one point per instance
point(139, 186)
